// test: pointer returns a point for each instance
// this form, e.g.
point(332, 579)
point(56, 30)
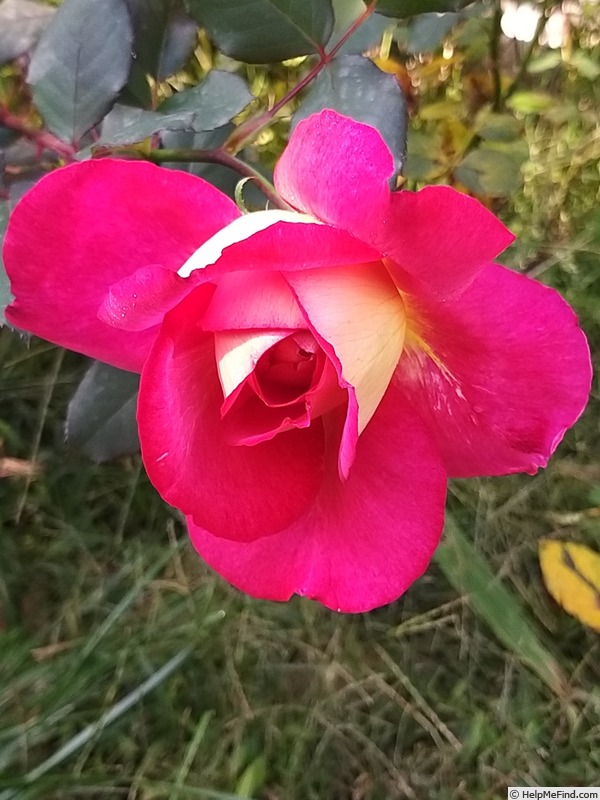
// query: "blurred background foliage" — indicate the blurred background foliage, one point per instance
point(127, 669)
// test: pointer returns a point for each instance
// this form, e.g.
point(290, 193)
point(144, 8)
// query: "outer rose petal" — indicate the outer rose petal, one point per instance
point(141, 299)
point(338, 170)
point(276, 240)
point(88, 226)
point(509, 373)
point(438, 238)
point(363, 541)
point(236, 492)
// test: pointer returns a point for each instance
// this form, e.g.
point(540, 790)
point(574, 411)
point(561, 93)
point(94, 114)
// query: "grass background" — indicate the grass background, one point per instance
point(129, 670)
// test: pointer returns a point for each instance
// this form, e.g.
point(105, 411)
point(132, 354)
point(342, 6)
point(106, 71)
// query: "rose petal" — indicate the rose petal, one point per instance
point(280, 240)
point(238, 352)
point(141, 300)
point(236, 492)
point(337, 170)
point(277, 395)
point(251, 422)
point(88, 226)
point(363, 541)
point(358, 317)
point(242, 228)
point(439, 239)
point(499, 375)
point(252, 300)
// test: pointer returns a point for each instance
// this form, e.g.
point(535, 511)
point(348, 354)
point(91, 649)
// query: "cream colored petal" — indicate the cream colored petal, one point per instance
point(237, 353)
point(359, 312)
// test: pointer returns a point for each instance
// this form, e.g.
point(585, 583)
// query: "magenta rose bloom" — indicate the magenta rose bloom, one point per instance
point(310, 378)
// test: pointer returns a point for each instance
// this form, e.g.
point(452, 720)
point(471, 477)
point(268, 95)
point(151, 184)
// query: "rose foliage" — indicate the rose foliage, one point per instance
point(310, 377)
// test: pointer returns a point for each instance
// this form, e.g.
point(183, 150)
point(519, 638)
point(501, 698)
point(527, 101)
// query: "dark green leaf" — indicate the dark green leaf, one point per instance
point(5, 293)
point(165, 36)
point(101, 417)
point(137, 91)
point(354, 86)
point(208, 106)
point(259, 31)
point(219, 97)
point(7, 138)
point(422, 157)
point(80, 64)
point(127, 125)
point(366, 37)
point(491, 171)
point(21, 23)
point(427, 31)
point(408, 8)
point(498, 127)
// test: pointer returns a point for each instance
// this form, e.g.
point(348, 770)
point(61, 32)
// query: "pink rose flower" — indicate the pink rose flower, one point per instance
point(310, 378)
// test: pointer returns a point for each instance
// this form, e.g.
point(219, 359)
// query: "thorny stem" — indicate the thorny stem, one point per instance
point(247, 130)
point(42, 139)
point(219, 156)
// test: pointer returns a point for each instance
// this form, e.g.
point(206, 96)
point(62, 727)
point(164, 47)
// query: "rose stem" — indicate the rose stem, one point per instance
point(248, 130)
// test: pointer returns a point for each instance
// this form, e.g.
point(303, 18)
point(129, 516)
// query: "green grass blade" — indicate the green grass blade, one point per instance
point(470, 574)
point(112, 715)
point(190, 754)
point(191, 791)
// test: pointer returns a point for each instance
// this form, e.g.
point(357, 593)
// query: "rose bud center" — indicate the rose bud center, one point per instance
point(292, 383)
point(286, 371)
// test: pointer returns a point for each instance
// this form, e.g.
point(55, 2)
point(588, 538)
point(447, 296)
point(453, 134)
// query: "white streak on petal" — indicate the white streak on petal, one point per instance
point(241, 228)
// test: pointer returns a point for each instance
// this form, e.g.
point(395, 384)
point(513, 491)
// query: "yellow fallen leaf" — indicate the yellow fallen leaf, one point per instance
point(571, 573)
